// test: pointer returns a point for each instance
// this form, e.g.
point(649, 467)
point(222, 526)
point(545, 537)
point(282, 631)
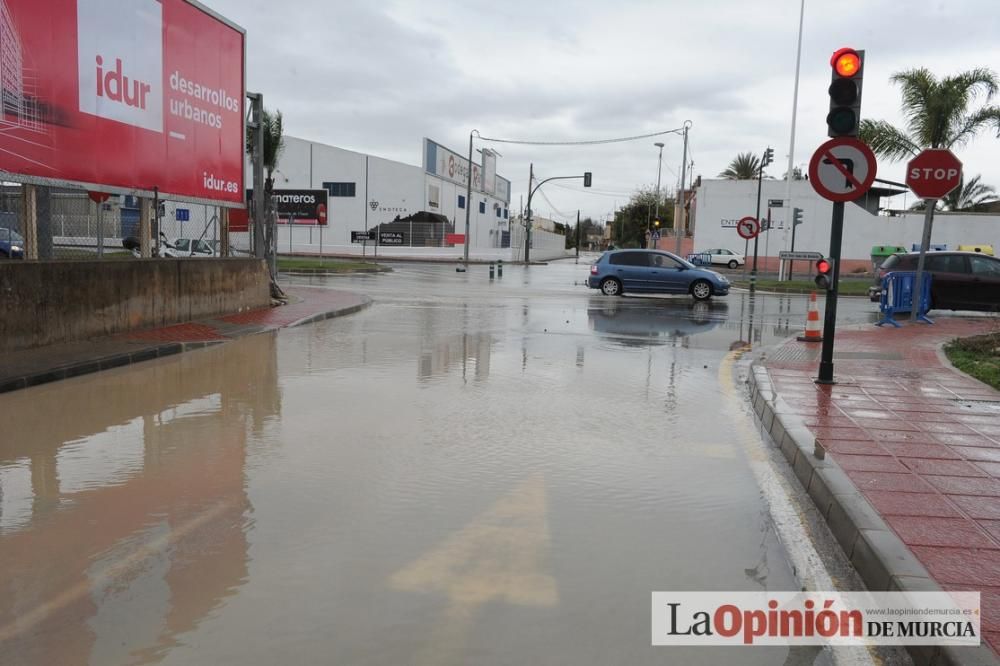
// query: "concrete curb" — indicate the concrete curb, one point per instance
point(330, 314)
point(149, 352)
point(329, 271)
point(882, 560)
point(89, 366)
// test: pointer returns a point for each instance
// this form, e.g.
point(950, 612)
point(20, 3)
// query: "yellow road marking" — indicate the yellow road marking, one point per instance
point(499, 556)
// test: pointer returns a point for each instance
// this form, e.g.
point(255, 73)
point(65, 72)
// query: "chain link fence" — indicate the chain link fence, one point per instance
point(72, 226)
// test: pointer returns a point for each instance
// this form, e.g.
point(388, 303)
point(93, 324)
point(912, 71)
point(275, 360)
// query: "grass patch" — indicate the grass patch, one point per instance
point(327, 265)
point(978, 356)
point(847, 287)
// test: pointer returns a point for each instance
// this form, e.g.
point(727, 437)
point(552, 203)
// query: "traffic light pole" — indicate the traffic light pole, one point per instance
point(830, 317)
point(753, 271)
point(791, 262)
point(531, 194)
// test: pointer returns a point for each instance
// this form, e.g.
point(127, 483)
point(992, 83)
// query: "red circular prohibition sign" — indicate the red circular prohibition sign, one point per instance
point(748, 227)
point(859, 186)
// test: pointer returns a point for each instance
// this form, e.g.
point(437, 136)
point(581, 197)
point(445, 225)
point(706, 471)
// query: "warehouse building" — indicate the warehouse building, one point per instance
point(421, 209)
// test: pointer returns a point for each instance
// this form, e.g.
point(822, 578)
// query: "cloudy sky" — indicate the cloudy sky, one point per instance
point(378, 76)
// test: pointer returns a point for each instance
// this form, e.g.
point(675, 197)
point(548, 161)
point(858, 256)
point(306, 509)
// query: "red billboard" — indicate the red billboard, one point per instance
point(125, 96)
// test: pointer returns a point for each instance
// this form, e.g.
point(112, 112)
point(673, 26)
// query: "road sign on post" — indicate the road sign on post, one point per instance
point(748, 227)
point(931, 175)
point(842, 169)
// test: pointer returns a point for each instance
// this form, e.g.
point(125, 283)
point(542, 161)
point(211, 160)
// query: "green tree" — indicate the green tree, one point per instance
point(274, 144)
point(635, 217)
point(938, 113)
point(587, 226)
point(968, 196)
point(743, 167)
point(796, 174)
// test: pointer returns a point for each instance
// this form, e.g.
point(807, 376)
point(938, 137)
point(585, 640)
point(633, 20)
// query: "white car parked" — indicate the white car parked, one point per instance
point(723, 257)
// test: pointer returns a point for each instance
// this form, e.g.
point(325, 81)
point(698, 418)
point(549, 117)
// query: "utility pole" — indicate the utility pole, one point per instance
point(679, 223)
point(577, 235)
point(468, 199)
point(527, 220)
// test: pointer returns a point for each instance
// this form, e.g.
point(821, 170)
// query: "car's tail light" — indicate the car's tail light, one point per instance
point(593, 269)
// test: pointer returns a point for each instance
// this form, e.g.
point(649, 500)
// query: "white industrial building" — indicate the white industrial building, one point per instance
point(882, 219)
point(426, 203)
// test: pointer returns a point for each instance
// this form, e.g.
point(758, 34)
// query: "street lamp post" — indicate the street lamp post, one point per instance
point(659, 168)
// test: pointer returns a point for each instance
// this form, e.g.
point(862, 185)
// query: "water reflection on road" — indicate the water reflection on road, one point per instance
point(468, 472)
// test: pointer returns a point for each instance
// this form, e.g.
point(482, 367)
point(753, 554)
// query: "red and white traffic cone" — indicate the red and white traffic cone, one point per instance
point(814, 330)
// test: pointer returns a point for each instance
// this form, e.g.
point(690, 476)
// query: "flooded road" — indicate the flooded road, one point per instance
point(466, 472)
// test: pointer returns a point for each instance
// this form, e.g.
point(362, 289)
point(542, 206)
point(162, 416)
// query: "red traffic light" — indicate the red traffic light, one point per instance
point(823, 266)
point(846, 62)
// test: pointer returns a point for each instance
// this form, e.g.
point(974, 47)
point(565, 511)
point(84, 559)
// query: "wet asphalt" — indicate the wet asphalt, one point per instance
point(470, 471)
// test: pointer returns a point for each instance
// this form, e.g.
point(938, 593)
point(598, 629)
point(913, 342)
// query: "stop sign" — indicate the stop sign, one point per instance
point(933, 173)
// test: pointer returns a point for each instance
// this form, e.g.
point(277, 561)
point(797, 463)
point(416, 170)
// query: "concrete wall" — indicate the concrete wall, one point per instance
point(46, 302)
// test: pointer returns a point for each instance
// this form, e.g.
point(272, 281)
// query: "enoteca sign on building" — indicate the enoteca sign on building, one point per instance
point(124, 96)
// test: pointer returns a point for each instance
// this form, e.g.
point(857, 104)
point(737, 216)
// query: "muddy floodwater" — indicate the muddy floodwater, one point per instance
point(468, 472)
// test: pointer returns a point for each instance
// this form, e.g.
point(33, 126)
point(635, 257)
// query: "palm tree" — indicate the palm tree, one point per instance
point(274, 144)
point(937, 113)
point(744, 167)
point(968, 196)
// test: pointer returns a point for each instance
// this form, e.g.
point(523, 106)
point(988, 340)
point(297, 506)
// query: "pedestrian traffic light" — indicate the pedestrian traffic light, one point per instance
point(586, 178)
point(824, 274)
point(768, 157)
point(845, 92)
point(796, 217)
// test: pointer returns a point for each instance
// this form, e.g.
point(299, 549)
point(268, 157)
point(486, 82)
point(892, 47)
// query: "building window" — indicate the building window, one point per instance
point(482, 206)
point(498, 211)
point(505, 213)
point(340, 189)
point(433, 196)
point(461, 201)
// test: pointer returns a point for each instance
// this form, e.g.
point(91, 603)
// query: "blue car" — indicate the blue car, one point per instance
point(11, 244)
point(653, 272)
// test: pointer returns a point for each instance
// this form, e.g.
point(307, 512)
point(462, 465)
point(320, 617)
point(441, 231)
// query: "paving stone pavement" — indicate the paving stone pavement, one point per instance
point(918, 438)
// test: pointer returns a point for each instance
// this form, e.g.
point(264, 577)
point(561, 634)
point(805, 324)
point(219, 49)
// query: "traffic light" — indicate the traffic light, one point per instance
point(768, 157)
point(848, 68)
point(824, 274)
point(586, 178)
point(796, 217)
point(656, 223)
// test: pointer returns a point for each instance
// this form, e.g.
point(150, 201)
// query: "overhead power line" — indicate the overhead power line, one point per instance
point(591, 142)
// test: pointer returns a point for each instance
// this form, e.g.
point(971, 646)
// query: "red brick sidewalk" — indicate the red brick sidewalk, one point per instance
point(54, 362)
point(307, 304)
point(911, 433)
